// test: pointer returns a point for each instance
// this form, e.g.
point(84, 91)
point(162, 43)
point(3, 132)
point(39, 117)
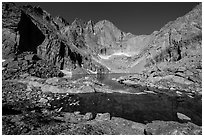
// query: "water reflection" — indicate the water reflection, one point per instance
point(160, 106)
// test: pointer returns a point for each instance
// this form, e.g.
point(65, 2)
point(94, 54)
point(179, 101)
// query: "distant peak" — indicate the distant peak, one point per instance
point(90, 22)
point(39, 9)
point(105, 22)
point(35, 9)
point(79, 22)
point(61, 19)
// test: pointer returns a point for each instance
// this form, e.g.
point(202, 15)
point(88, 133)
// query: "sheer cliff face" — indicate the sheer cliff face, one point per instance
point(34, 30)
point(10, 19)
point(176, 43)
point(175, 49)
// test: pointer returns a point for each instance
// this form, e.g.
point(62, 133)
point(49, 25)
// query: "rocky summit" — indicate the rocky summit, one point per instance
point(61, 77)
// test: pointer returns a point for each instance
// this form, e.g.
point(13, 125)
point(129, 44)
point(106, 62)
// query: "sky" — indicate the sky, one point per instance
point(138, 18)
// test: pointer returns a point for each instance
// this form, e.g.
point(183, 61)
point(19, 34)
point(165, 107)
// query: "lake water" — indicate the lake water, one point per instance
point(163, 105)
point(107, 79)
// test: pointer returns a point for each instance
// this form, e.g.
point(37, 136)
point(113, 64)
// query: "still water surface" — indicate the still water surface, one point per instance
point(163, 105)
point(107, 79)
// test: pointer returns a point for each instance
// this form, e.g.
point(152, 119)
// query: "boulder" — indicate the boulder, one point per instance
point(43, 100)
point(103, 116)
point(13, 65)
point(7, 61)
point(183, 117)
point(52, 81)
point(31, 57)
point(88, 116)
point(70, 117)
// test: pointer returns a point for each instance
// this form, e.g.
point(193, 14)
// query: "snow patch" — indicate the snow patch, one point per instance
point(67, 73)
point(115, 54)
point(152, 92)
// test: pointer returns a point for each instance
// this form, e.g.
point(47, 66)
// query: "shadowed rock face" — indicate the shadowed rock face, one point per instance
point(10, 19)
point(34, 30)
point(30, 36)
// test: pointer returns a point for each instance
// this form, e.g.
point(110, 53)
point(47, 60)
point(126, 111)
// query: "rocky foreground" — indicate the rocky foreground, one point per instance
point(59, 106)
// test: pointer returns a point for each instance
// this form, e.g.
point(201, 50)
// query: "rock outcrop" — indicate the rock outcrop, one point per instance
point(31, 64)
point(10, 36)
point(177, 46)
point(31, 29)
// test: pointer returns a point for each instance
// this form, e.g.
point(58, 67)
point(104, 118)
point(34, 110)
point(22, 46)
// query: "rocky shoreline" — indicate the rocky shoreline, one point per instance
point(33, 105)
point(37, 100)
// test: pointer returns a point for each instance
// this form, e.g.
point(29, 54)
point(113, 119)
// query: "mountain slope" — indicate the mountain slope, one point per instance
point(88, 47)
point(31, 29)
point(128, 53)
point(173, 58)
